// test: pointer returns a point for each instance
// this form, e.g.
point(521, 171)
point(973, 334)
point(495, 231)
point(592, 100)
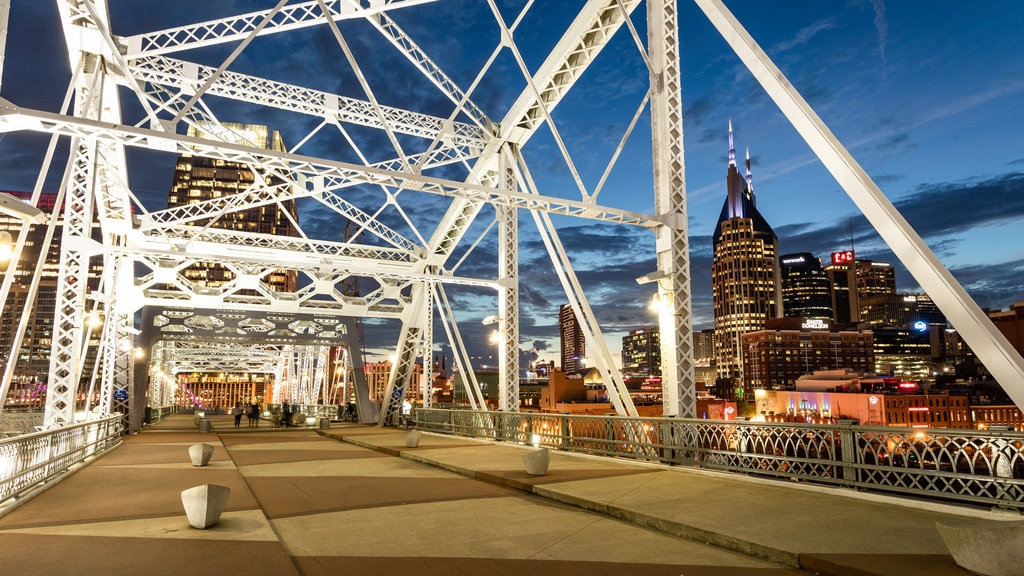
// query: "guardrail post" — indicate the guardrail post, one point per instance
point(668, 441)
point(609, 436)
point(848, 450)
point(563, 422)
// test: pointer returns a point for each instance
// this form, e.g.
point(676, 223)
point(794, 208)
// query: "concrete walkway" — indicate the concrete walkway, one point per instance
point(354, 500)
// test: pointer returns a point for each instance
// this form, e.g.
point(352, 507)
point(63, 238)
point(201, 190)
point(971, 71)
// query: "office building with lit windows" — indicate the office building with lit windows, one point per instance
point(744, 277)
point(874, 279)
point(855, 280)
point(573, 344)
point(903, 352)
point(202, 179)
point(806, 290)
point(641, 353)
point(788, 348)
point(199, 179)
point(900, 310)
point(27, 390)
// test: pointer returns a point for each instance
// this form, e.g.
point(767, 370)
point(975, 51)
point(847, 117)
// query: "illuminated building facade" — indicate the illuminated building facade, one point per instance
point(641, 353)
point(744, 277)
point(1011, 324)
point(806, 290)
point(874, 279)
point(378, 373)
point(776, 357)
point(573, 345)
point(32, 363)
point(855, 280)
point(866, 408)
point(704, 346)
point(199, 179)
point(900, 310)
point(903, 352)
point(928, 411)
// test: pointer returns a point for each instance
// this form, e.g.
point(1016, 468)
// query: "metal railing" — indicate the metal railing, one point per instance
point(28, 460)
point(962, 465)
point(155, 414)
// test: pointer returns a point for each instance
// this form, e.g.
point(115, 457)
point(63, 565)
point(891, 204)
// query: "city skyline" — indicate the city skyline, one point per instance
point(923, 95)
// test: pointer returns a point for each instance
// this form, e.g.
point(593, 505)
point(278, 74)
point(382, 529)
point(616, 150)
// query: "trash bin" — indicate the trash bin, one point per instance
point(205, 425)
point(325, 423)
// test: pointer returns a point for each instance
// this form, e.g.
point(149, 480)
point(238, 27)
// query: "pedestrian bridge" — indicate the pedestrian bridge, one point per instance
point(354, 499)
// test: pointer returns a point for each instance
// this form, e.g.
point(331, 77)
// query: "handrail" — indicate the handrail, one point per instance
point(29, 460)
point(155, 414)
point(978, 467)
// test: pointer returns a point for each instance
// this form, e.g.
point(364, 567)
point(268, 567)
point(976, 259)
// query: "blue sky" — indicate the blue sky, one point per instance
point(926, 95)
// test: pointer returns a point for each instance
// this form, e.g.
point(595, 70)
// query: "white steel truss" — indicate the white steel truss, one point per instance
point(412, 179)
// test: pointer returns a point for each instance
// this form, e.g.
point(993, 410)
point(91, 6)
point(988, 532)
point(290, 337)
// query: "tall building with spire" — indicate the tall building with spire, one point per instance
point(744, 277)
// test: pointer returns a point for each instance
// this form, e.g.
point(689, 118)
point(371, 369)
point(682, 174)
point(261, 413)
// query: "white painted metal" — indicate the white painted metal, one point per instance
point(508, 294)
point(992, 348)
point(5, 16)
point(407, 270)
point(232, 29)
point(97, 177)
point(462, 364)
point(679, 396)
point(404, 366)
point(426, 382)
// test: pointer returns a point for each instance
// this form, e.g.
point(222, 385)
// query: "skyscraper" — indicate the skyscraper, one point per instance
point(641, 353)
point(199, 179)
point(902, 310)
point(844, 287)
point(744, 277)
point(875, 279)
point(32, 360)
point(854, 280)
point(574, 348)
point(806, 290)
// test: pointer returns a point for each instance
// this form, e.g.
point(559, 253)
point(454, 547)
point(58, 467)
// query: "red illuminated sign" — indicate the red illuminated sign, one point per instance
point(844, 257)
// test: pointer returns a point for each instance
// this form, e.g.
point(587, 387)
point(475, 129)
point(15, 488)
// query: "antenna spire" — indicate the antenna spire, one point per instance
point(750, 176)
point(732, 148)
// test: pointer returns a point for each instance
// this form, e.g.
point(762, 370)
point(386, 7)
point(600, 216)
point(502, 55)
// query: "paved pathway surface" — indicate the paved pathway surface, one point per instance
point(354, 500)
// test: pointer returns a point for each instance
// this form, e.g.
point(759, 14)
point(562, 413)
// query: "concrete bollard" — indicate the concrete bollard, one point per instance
point(412, 438)
point(537, 461)
point(986, 547)
point(204, 504)
point(200, 454)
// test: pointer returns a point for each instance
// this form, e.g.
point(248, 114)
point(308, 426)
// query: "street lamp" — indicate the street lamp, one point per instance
point(16, 208)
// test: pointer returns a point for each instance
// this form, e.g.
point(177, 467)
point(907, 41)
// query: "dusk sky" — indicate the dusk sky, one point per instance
point(927, 96)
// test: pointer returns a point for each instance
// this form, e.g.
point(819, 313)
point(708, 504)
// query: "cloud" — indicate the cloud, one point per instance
point(943, 214)
point(804, 35)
